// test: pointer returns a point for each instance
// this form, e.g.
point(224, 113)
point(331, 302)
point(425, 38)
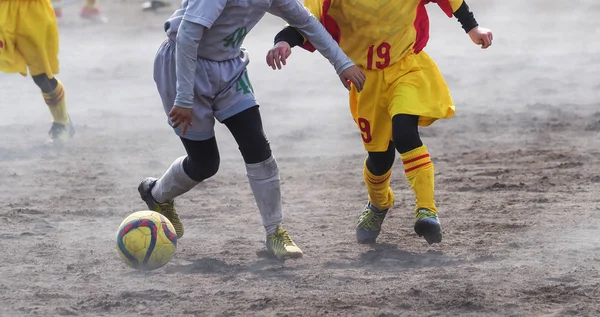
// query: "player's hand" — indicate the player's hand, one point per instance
point(353, 75)
point(181, 116)
point(278, 54)
point(481, 36)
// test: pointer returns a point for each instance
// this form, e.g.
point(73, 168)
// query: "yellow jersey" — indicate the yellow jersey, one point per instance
point(377, 33)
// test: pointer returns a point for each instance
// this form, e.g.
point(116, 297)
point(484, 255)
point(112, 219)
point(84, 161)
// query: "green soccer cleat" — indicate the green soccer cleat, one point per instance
point(369, 224)
point(281, 245)
point(427, 225)
point(166, 209)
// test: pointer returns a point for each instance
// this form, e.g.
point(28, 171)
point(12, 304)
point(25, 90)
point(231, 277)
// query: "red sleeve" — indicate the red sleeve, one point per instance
point(330, 25)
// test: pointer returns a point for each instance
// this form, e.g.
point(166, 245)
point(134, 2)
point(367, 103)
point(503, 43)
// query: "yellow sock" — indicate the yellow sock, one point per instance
point(56, 102)
point(380, 194)
point(419, 172)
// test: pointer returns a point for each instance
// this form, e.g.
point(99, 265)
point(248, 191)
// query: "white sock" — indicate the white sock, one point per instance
point(264, 181)
point(173, 183)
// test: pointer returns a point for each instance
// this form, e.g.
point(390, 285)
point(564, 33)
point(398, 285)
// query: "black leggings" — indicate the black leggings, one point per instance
point(47, 85)
point(203, 159)
point(405, 136)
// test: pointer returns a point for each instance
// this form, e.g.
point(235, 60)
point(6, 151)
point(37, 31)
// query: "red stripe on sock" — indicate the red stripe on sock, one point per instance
point(54, 99)
point(60, 96)
point(415, 167)
point(415, 159)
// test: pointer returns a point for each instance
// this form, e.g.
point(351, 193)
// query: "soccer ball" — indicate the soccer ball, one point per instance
point(146, 240)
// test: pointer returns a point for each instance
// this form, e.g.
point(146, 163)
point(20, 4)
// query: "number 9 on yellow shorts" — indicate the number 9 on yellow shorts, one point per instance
point(28, 37)
point(413, 86)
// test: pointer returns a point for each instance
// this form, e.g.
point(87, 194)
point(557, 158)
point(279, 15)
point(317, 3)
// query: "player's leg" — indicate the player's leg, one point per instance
point(261, 167)
point(419, 171)
point(263, 175)
point(54, 96)
point(91, 11)
point(419, 98)
point(38, 43)
point(57, 5)
point(377, 173)
point(11, 18)
point(200, 163)
point(369, 111)
point(202, 158)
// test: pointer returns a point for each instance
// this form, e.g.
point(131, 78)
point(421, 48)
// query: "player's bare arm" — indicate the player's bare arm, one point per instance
point(480, 36)
point(301, 19)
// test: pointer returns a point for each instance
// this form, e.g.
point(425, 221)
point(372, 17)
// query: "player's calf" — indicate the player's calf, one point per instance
point(377, 173)
point(54, 95)
point(419, 171)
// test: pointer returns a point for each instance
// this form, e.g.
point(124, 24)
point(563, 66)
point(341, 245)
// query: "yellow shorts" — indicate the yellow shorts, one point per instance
point(28, 37)
point(412, 86)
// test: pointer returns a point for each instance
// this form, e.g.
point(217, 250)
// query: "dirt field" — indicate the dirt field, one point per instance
point(518, 182)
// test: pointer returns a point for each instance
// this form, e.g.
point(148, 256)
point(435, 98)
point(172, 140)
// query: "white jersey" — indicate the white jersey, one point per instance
point(228, 22)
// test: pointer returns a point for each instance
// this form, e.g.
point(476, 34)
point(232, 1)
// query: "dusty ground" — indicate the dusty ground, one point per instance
point(518, 179)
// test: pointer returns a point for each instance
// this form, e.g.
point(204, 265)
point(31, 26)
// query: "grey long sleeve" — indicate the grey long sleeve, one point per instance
point(189, 35)
point(294, 13)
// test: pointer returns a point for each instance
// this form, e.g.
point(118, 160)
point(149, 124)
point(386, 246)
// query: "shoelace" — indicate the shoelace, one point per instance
point(168, 209)
point(371, 216)
point(285, 237)
point(424, 213)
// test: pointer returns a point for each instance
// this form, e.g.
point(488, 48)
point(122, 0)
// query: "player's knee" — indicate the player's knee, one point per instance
point(246, 128)
point(405, 132)
point(380, 163)
point(200, 170)
point(47, 85)
point(256, 151)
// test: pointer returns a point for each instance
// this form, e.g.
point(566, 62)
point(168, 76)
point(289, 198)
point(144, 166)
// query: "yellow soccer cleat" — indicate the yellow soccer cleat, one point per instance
point(281, 245)
point(166, 209)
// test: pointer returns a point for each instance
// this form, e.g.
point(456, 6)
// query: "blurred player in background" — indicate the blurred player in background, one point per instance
point(200, 72)
point(404, 89)
point(29, 41)
point(90, 10)
point(155, 5)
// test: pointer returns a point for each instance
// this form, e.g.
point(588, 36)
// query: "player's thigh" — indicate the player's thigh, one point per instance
point(11, 60)
point(165, 77)
point(37, 40)
point(203, 121)
point(247, 129)
point(237, 97)
point(237, 108)
point(369, 111)
point(165, 74)
point(417, 88)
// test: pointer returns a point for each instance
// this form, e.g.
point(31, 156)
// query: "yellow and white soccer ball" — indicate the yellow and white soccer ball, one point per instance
point(146, 240)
